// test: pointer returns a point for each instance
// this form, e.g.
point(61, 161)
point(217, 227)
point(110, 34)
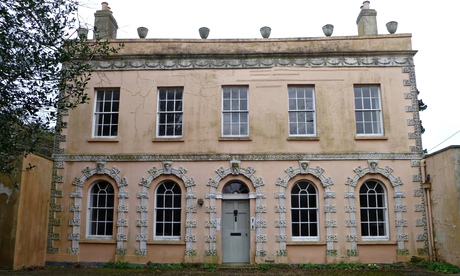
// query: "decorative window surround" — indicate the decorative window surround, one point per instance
point(213, 183)
point(396, 182)
point(304, 168)
point(190, 208)
point(99, 169)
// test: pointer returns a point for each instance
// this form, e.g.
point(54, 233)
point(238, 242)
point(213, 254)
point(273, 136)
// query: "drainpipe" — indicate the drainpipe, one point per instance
point(426, 184)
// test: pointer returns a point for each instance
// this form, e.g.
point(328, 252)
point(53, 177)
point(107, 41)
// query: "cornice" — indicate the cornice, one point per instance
point(226, 157)
point(259, 60)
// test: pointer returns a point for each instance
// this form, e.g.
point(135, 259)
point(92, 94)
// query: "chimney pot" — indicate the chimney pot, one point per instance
point(366, 5)
point(105, 6)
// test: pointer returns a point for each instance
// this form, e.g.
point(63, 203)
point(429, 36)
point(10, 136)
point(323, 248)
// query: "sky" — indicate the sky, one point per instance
point(429, 22)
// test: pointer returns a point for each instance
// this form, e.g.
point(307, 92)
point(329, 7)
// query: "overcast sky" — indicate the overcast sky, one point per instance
point(434, 27)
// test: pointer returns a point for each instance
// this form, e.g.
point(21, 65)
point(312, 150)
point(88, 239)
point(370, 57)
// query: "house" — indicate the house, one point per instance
point(441, 181)
point(286, 150)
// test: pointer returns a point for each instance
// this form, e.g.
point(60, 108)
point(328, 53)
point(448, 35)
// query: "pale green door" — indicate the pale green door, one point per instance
point(235, 231)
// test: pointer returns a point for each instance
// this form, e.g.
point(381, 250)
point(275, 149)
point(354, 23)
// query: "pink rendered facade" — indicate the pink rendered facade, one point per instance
point(244, 151)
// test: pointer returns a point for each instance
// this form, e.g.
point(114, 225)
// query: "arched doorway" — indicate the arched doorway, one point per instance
point(235, 223)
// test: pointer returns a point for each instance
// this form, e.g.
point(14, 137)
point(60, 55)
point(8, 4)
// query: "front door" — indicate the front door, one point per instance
point(235, 231)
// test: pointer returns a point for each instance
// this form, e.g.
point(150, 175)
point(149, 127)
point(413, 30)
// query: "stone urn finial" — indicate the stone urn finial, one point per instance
point(328, 29)
point(392, 26)
point(82, 33)
point(265, 31)
point(142, 32)
point(204, 32)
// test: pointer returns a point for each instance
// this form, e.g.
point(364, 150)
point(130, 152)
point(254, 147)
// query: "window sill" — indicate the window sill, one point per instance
point(305, 243)
point(371, 138)
point(235, 139)
point(377, 242)
point(91, 140)
point(168, 139)
point(100, 241)
point(167, 242)
point(304, 138)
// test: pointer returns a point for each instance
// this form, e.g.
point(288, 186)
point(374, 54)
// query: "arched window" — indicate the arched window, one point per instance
point(304, 211)
point(168, 211)
point(101, 202)
point(374, 213)
point(235, 188)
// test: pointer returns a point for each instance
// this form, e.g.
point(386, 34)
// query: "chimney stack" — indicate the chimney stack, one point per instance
point(367, 20)
point(105, 25)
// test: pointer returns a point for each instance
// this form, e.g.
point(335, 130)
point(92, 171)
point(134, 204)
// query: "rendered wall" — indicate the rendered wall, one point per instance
point(444, 170)
point(24, 215)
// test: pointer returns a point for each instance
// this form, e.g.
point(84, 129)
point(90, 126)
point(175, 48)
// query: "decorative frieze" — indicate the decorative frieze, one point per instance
point(261, 224)
point(123, 208)
point(190, 252)
point(190, 182)
point(419, 207)
point(73, 237)
point(123, 195)
point(420, 222)
point(140, 252)
point(122, 182)
point(402, 237)
point(78, 182)
point(260, 209)
point(280, 195)
point(330, 209)
point(122, 237)
point(191, 223)
point(332, 252)
point(141, 223)
point(280, 253)
point(402, 252)
point(331, 238)
point(246, 157)
point(418, 192)
point(422, 237)
point(210, 209)
point(401, 222)
point(352, 252)
point(141, 237)
point(280, 223)
point(211, 223)
point(261, 238)
point(210, 238)
point(416, 178)
point(261, 253)
point(55, 207)
point(351, 238)
point(349, 195)
point(190, 238)
point(191, 209)
point(122, 223)
point(213, 183)
point(76, 194)
point(75, 208)
point(350, 223)
point(74, 222)
point(331, 223)
point(142, 208)
point(120, 251)
point(399, 195)
point(400, 208)
point(144, 195)
point(280, 209)
point(329, 195)
point(350, 209)
point(280, 238)
point(210, 252)
point(73, 251)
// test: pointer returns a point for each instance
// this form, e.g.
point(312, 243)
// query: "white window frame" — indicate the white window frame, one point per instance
point(384, 220)
point(175, 221)
point(112, 115)
point(302, 108)
point(305, 209)
point(366, 105)
point(92, 208)
point(174, 112)
point(237, 111)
